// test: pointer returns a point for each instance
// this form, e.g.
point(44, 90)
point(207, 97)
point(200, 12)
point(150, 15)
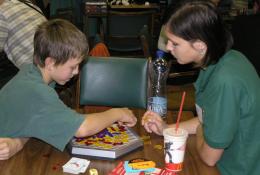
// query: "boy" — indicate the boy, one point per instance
point(30, 107)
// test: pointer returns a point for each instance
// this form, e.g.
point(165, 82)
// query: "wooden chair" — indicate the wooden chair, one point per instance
point(123, 30)
point(112, 82)
point(146, 42)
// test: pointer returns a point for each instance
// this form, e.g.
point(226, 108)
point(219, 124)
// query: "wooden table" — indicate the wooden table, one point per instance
point(38, 157)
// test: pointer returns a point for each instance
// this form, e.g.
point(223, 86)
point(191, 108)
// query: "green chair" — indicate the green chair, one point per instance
point(123, 28)
point(113, 82)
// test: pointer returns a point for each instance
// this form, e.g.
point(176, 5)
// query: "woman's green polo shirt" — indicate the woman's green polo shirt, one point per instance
point(229, 95)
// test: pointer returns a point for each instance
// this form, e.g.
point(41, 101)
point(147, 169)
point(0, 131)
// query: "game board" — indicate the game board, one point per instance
point(110, 143)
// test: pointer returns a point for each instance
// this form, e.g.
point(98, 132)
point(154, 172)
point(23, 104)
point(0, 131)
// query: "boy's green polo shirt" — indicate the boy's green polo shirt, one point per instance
point(229, 95)
point(30, 108)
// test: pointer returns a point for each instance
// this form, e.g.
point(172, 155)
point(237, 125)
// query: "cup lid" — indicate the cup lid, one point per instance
point(173, 133)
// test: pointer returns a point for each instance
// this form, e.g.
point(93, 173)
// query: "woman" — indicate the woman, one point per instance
point(227, 91)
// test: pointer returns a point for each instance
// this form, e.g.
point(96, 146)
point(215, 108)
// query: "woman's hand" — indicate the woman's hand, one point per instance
point(152, 122)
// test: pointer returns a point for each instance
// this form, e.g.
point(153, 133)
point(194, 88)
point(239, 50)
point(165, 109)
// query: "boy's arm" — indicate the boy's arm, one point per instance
point(209, 155)
point(96, 122)
point(10, 146)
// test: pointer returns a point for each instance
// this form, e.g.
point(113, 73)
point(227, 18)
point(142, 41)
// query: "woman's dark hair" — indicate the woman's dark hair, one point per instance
point(200, 21)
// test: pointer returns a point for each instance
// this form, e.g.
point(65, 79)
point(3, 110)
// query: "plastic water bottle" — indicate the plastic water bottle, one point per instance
point(157, 97)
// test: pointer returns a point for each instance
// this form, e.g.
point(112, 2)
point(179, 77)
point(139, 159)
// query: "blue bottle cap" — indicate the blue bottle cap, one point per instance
point(160, 64)
point(160, 53)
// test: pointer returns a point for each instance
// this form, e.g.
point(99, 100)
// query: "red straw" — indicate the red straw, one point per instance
point(180, 111)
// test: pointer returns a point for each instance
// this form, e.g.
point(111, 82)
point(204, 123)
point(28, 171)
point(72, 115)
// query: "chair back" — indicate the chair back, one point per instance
point(123, 29)
point(113, 82)
point(147, 42)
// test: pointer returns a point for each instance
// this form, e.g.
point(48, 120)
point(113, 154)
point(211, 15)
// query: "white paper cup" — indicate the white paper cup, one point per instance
point(174, 148)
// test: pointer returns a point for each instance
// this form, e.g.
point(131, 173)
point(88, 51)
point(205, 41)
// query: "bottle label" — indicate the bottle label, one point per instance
point(158, 105)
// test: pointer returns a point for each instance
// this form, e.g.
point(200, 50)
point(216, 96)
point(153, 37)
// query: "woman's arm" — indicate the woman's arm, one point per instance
point(209, 155)
point(152, 122)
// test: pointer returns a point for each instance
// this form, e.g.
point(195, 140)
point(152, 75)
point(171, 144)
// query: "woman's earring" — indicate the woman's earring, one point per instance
point(202, 52)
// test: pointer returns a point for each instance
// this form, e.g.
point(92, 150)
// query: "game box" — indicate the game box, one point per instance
point(110, 143)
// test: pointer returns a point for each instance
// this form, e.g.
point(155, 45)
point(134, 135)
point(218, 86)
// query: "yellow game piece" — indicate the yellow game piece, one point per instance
point(93, 171)
point(142, 165)
point(148, 142)
point(146, 137)
point(158, 147)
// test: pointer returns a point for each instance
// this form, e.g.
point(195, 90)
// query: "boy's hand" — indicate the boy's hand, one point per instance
point(152, 122)
point(9, 147)
point(126, 117)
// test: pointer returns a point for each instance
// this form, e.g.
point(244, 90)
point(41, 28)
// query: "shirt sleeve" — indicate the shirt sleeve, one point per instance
point(52, 121)
point(221, 113)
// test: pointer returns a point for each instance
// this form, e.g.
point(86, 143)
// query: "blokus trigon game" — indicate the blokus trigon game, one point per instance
point(110, 143)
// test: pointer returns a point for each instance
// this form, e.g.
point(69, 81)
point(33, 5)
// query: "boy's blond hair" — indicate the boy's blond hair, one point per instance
point(60, 40)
